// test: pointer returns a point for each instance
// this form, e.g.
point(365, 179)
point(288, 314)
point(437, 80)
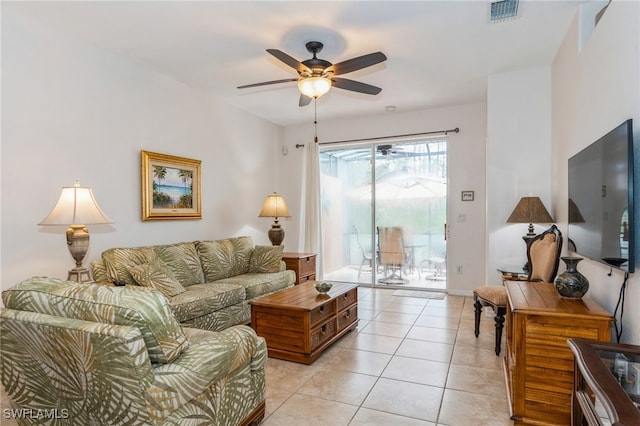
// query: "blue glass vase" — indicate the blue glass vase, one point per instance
point(571, 283)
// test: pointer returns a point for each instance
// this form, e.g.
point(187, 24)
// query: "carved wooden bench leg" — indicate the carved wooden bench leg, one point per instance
point(478, 312)
point(501, 311)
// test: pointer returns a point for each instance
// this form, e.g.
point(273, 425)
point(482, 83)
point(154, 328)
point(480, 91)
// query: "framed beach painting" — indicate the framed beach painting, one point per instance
point(170, 187)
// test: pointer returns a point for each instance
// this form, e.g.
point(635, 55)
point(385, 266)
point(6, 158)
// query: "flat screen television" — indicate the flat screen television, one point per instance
point(601, 217)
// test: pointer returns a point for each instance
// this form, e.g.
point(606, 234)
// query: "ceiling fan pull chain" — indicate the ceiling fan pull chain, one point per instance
point(315, 120)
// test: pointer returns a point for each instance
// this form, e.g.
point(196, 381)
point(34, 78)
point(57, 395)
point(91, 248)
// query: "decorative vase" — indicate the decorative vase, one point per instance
point(322, 287)
point(571, 283)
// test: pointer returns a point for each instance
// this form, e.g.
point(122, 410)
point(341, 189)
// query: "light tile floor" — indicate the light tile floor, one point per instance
point(411, 361)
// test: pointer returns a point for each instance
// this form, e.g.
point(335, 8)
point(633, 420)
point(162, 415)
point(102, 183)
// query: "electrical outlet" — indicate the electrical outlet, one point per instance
point(459, 269)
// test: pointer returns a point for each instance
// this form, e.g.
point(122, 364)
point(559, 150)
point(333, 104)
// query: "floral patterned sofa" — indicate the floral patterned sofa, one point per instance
point(89, 354)
point(209, 284)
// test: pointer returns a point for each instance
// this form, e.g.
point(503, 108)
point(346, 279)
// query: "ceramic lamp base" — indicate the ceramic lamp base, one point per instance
point(276, 234)
point(81, 275)
point(78, 244)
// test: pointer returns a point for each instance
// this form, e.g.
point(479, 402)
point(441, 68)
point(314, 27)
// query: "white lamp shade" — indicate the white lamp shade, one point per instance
point(76, 206)
point(314, 87)
point(274, 206)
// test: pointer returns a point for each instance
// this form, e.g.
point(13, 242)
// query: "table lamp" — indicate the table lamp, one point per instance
point(77, 208)
point(529, 210)
point(275, 207)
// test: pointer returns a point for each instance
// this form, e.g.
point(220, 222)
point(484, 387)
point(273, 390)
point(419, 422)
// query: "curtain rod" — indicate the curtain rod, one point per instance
point(444, 132)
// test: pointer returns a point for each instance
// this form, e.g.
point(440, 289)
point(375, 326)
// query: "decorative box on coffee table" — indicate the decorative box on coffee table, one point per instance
point(299, 323)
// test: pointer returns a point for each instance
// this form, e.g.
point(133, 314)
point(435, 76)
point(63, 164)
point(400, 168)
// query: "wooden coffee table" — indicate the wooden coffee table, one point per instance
point(298, 323)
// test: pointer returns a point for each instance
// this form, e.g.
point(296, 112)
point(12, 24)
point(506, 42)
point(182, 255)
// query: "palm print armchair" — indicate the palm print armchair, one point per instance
point(99, 355)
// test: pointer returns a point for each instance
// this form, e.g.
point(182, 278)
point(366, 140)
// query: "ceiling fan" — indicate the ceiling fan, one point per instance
point(317, 76)
point(388, 149)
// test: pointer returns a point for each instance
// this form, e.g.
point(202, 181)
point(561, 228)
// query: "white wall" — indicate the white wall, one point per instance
point(466, 220)
point(72, 111)
point(595, 89)
point(518, 165)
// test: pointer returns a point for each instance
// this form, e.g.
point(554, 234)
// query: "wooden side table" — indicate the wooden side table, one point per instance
point(513, 273)
point(303, 264)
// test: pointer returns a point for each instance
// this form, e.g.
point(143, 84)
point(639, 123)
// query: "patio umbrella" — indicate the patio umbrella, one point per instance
point(403, 188)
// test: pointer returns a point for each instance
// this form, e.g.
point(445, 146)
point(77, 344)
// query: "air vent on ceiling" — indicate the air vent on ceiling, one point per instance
point(503, 10)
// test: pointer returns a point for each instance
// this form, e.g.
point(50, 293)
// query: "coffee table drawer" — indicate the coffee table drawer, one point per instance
point(323, 312)
point(323, 333)
point(347, 317)
point(349, 298)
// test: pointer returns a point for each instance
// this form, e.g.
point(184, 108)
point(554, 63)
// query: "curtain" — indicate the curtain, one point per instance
point(312, 235)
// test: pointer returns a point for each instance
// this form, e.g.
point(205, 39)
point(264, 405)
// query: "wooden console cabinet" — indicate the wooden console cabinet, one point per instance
point(303, 264)
point(538, 363)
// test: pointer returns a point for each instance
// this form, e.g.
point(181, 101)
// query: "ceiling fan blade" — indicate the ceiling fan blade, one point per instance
point(289, 60)
point(355, 86)
point(360, 62)
point(304, 100)
point(264, 83)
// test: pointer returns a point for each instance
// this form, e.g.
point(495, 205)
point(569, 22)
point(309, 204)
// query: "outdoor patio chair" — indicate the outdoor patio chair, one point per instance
point(367, 255)
point(393, 257)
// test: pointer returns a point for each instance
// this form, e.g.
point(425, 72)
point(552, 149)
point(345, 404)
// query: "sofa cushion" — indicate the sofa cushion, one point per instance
point(266, 259)
point(98, 271)
point(183, 260)
point(146, 309)
point(224, 258)
point(117, 262)
point(157, 275)
point(257, 285)
point(202, 299)
point(240, 313)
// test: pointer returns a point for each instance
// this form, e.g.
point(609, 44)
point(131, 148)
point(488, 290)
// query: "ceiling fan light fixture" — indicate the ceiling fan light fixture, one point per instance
point(314, 87)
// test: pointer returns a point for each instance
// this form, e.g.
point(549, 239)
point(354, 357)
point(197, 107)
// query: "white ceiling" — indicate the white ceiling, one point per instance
point(439, 52)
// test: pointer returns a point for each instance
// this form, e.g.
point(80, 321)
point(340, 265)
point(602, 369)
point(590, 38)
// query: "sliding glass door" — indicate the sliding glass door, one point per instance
point(384, 213)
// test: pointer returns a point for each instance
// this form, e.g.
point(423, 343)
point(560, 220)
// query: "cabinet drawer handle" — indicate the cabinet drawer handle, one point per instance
point(346, 315)
point(346, 296)
point(323, 329)
point(321, 308)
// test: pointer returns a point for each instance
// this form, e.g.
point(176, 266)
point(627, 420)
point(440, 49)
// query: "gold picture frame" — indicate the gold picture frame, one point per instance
point(170, 187)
